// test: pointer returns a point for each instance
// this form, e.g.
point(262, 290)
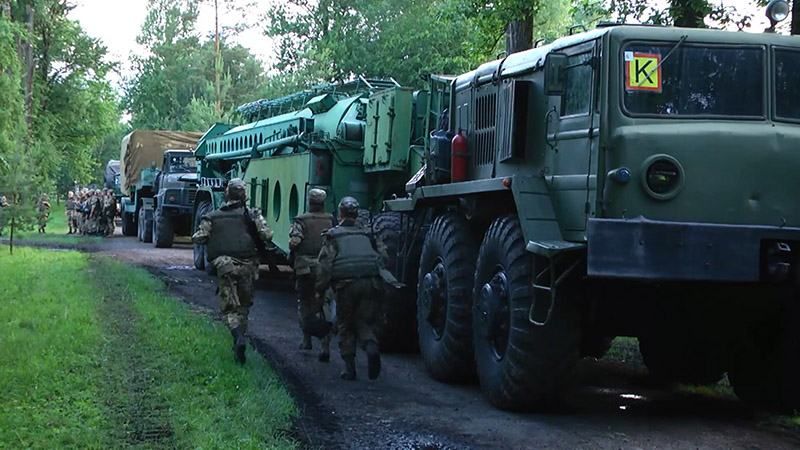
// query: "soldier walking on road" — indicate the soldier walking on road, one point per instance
point(109, 211)
point(43, 212)
point(350, 262)
point(3, 206)
point(233, 236)
point(305, 243)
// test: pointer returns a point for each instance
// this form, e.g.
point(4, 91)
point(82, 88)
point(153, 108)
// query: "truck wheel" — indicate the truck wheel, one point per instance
point(145, 226)
point(520, 365)
point(398, 322)
point(681, 359)
point(444, 300)
point(163, 234)
point(199, 250)
point(766, 364)
point(128, 225)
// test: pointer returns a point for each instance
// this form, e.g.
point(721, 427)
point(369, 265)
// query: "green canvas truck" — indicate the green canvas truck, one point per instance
point(625, 181)
point(158, 179)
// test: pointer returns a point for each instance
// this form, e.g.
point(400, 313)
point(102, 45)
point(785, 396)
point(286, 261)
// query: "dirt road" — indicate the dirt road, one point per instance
point(611, 407)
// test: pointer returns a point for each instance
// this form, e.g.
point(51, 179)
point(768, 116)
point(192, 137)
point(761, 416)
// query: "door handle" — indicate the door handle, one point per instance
point(552, 143)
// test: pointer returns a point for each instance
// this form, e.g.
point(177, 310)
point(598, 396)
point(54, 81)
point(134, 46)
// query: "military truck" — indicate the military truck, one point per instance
point(111, 178)
point(158, 179)
point(625, 181)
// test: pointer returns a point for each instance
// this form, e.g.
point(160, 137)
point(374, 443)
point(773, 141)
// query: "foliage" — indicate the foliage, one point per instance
point(20, 184)
point(71, 106)
point(173, 86)
point(83, 343)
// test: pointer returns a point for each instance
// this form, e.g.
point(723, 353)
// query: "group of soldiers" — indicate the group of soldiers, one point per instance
point(91, 212)
point(332, 259)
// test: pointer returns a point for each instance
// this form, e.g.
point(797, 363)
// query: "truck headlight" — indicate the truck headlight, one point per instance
point(171, 199)
point(662, 177)
point(777, 11)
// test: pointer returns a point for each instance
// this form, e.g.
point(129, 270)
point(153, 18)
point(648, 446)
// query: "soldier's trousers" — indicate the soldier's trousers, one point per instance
point(236, 293)
point(357, 312)
point(308, 304)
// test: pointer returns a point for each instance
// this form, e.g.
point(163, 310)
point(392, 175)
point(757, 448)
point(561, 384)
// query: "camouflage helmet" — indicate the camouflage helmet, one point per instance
point(236, 190)
point(317, 196)
point(348, 207)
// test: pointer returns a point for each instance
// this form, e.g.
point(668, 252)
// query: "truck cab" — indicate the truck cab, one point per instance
point(176, 188)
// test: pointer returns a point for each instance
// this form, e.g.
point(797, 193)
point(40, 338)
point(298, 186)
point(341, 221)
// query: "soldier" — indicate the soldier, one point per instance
point(70, 208)
point(97, 222)
point(43, 212)
point(233, 236)
point(305, 242)
point(3, 206)
point(110, 212)
point(350, 262)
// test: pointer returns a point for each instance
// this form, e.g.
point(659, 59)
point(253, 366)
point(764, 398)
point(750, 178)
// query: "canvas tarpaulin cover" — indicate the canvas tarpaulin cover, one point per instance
point(142, 148)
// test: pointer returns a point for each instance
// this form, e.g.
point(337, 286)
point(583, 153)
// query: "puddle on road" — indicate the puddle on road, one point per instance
point(418, 442)
point(179, 268)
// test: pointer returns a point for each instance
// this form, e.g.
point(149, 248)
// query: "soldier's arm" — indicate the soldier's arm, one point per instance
point(203, 231)
point(263, 230)
point(296, 234)
point(380, 247)
point(326, 256)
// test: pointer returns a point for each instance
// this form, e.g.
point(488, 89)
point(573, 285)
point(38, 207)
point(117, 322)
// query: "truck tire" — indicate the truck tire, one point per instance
point(520, 365)
point(397, 330)
point(199, 250)
point(444, 299)
point(766, 365)
point(145, 226)
point(681, 359)
point(163, 234)
point(128, 224)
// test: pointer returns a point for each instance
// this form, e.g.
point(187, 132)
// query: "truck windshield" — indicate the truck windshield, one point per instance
point(787, 87)
point(182, 164)
point(694, 80)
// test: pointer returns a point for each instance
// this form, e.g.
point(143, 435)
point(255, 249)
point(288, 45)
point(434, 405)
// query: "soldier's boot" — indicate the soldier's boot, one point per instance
point(239, 345)
point(349, 372)
point(325, 354)
point(373, 360)
point(306, 344)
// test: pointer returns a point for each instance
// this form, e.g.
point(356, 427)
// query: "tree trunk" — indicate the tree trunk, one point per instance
point(519, 35)
point(796, 17)
point(689, 13)
point(26, 55)
point(11, 238)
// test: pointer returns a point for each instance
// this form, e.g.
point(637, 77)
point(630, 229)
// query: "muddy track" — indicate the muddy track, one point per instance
point(139, 416)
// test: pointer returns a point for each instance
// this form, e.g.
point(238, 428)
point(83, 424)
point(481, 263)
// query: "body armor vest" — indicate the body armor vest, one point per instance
point(356, 256)
point(313, 226)
point(230, 235)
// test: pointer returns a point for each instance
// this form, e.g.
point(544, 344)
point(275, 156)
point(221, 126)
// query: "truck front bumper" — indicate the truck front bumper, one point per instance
point(656, 250)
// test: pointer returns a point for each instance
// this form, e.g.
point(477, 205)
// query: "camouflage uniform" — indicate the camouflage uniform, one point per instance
point(71, 212)
point(3, 206)
point(109, 212)
point(305, 242)
point(350, 262)
point(230, 235)
point(43, 212)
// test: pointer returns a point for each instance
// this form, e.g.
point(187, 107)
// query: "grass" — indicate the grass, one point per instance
point(57, 229)
point(99, 356)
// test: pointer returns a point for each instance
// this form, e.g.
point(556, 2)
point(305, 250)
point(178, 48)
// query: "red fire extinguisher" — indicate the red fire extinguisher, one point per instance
point(459, 156)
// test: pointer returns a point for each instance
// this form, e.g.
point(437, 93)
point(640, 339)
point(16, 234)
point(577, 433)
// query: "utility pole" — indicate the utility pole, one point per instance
point(217, 63)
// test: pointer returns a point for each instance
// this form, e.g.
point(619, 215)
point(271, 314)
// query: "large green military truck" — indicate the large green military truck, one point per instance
point(626, 181)
point(158, 177)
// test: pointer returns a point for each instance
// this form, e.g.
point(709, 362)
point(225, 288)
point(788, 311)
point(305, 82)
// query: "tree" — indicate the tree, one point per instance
point(19, 182)
point(182, 72)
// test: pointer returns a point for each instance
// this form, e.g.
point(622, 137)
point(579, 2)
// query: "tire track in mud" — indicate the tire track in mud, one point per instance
point(139, 417)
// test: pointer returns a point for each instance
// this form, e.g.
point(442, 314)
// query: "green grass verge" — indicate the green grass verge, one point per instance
point(57, 229)
point(101, 356)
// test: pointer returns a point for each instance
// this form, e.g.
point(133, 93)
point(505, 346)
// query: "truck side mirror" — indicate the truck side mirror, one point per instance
point(554, 69)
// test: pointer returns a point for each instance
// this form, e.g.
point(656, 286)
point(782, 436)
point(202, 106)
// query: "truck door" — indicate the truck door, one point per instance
point(572, 133)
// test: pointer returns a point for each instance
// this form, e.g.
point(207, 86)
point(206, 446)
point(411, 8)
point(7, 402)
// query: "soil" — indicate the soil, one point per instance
point(612, 405)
